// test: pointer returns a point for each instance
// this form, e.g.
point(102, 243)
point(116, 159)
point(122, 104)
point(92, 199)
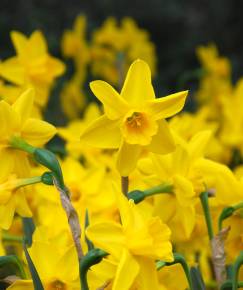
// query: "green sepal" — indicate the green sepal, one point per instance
point(197, 281)
point(11, 265)
point(136, 195)
point(49, 160)
point(47, 178)
point(93, 257)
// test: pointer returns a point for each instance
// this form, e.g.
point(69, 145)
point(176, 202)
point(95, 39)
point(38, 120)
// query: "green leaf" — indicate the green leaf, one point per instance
point(197, 281)
point(34, 274)
point(86, 224)
point(11, 265)
point(29, 228)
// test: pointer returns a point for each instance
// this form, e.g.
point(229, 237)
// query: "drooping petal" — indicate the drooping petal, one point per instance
point(108, 236)
point(127, 158)
point(22, 285)
point(165, 107)
point(114, 105)
point(126, 273)
point(138, 87)
point(24, 104)
point(37, 132)
point(102, 133)
point(162, 142)
point(22, 207)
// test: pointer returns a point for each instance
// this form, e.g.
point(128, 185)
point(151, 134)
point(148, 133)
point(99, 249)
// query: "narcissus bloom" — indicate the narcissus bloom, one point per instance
point(32, 66)
point(134, 120)
point(12, 199)
point(134, 244)
point(56, 265)
point(16, 123)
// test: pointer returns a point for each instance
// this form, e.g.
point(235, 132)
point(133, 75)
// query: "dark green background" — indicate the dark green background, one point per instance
point(176, 28)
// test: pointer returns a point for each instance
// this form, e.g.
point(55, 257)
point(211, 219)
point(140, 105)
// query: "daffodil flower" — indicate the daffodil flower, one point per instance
point(134, 120)
point(56, 266)
point(16, 123)
point(134, 245)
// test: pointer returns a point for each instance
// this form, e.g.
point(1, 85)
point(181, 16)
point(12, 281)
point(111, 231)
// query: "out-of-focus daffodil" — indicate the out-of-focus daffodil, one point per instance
point(32, 66)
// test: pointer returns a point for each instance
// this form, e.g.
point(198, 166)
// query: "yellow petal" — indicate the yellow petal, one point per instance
point(126, 273)
point(162, 142)
point(138, 87)
point(165, 107)
point(198, 143)
point(22, 285)
point(69, 260)
point(148, 275)
point(183, 189)
point(127, 158)
point(108, 236)
point(37, 44)
point(12, 71)
point(7, 213)
point(114, 105)
point(10, 120)
point(22, 207)
point(24, 104)
point(37, 132)
point(102, 133)
point(19, 41)
point(186, 219)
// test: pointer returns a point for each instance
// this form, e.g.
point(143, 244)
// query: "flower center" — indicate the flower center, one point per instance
point(135, 120)
point(138, 128)
point(56, 285)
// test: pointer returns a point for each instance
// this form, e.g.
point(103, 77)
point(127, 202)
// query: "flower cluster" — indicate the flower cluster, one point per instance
point(143, 195)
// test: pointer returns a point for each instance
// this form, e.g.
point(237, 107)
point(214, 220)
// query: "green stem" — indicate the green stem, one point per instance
point(20, 144)
point(207, 215)
point(235, 271)
point(6, 237)
point(228, 212)
point(138, 195)
point(93, 257)
point(125, 185)
point(178, 259)
point(161, 188)
point(29, 181)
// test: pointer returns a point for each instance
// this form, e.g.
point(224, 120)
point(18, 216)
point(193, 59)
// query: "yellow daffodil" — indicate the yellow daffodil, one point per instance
point(12, 199)
point(134, 120)
point(56, 266)
point(134, 245)
point(17, 123)
point(32, 66)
